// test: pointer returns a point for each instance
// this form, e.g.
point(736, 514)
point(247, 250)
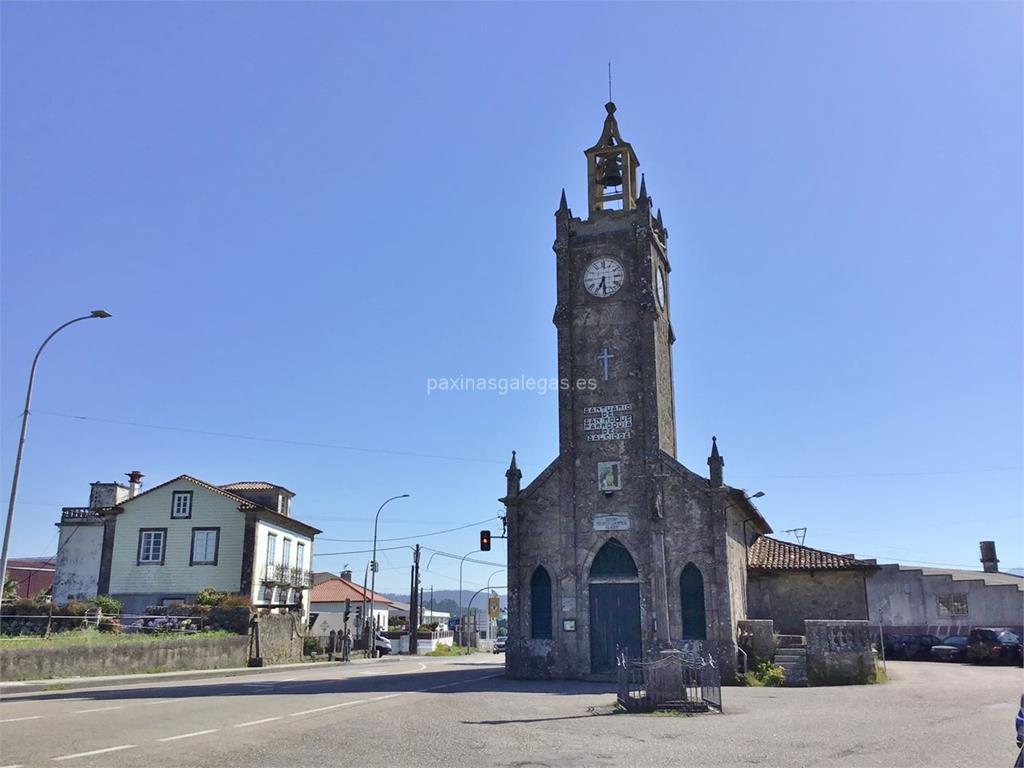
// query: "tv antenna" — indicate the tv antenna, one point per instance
point(798, 533)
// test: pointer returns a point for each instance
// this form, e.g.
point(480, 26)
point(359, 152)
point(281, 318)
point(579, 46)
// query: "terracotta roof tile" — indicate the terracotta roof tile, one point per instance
point(768, 554)
point(338, 590)
point(253, 485)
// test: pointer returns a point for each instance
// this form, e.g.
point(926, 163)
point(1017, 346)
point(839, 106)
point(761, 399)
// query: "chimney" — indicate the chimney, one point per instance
point(346, 576)
point(989, 561)
point(134, 483)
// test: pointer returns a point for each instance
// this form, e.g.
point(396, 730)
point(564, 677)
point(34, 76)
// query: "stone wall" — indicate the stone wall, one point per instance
point(839, 652)
point(756, 637)
point(790, 597)
point(122, 658)
point(280, 638)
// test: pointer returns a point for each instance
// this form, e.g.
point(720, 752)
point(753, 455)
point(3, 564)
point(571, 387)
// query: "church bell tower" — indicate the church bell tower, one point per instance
point(613, 314)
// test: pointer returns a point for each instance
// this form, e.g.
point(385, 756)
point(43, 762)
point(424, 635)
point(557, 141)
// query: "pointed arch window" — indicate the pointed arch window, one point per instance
point(691, 590)
point(540, 604)
point(614, 560)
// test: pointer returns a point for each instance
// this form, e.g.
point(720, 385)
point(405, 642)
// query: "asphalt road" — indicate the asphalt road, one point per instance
point(454, 712)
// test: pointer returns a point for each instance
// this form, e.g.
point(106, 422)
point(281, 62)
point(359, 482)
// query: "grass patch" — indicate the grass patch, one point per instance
point(91, 637)
point(451, 650)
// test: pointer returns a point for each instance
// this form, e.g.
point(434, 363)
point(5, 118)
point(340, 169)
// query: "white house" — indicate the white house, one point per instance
point(183, 536)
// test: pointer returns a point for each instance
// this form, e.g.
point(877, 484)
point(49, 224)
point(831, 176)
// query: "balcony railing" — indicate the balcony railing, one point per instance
point(282, 574)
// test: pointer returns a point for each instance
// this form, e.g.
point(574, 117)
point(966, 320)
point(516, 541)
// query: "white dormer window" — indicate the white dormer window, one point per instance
point(181, 505)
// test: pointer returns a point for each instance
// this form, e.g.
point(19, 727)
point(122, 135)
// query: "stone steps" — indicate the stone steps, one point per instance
point(794, 662)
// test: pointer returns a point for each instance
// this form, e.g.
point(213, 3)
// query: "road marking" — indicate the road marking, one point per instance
point(188, 735)
point(11, 766)
point(19, 719)
point(98, 709)
point(389, 696)
point(95, 752)
point(162, 701)
point(324, 709)
point(257, 722)
point(460, 682)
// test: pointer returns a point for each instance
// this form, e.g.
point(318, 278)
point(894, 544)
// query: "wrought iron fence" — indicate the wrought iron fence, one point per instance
point(678, 680)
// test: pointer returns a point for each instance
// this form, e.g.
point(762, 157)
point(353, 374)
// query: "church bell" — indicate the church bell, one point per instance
point(612, 171)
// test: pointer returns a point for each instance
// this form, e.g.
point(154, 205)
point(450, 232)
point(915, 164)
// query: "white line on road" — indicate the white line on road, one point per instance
point(11, 766)
point(98, 709)
point(188, 735)
point(389, 696)
point(19, 719)
point(324, 709)
point(258, 722)
point(162, 701)
point(95, 752)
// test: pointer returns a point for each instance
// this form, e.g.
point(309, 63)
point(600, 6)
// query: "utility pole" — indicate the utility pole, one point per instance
point(414, 601)
point(419, 604)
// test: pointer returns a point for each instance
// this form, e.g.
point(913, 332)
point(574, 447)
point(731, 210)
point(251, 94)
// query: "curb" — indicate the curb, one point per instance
point(9, 688)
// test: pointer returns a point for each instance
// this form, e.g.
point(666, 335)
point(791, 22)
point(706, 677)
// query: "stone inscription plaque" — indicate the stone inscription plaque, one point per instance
point(608, 422)
point(612, 523)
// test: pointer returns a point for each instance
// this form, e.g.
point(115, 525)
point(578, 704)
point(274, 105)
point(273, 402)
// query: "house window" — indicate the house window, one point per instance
point(540, 604)
point(152, 546)
point(286, 552)
point(181, 505)
point(953, 605)
point(300, 555)
point(266, 594)
point(205, 543)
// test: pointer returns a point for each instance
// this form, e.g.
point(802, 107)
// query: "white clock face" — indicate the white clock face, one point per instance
point(603, 277)
point(659, 285)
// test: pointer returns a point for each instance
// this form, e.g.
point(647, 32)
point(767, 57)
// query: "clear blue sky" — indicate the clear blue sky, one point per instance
point(298, 213)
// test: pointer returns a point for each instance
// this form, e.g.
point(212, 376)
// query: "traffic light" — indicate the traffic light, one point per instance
point(348, 608)
point(485, 541)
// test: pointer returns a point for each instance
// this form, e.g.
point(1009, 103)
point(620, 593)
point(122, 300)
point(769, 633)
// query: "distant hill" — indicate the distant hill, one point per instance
point(448, 599)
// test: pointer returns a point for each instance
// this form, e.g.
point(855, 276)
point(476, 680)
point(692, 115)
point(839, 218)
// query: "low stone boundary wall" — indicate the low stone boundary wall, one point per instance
point(839, 652)
point(757, 639)
point(280, 639)
point(124, 658)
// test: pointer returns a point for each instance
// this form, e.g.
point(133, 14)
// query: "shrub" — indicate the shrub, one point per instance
point(311, 645)
point(113, 626)
point(765, 674)
point(110, 606)
point(428, 627)
point(210, 596)
point(235, 601)
point(74, 608)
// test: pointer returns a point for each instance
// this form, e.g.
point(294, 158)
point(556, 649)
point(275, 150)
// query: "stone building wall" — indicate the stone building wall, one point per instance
point(790, 597)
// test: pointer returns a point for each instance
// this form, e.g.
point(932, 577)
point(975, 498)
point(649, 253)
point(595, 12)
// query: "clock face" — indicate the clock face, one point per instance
point(603, 277)
point(659, 286)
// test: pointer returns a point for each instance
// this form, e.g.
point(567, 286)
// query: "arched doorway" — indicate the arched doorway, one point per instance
point(614, 607)
point(691, 591)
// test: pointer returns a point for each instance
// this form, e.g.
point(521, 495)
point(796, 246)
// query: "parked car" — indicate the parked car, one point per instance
point(499, 644)
point(994, 644)
point(952, 648)
point(910, 647)
point(382, 644)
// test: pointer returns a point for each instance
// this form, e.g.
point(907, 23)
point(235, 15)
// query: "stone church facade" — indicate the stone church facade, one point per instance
point(617, 547)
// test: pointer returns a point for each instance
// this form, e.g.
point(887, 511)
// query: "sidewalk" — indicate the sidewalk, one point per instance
point(10, 687)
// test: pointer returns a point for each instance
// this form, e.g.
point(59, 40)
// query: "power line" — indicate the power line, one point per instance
point(854, 475)
point(418, 536)
point(282, 441)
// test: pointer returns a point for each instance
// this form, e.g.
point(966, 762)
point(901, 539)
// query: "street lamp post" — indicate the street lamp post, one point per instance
point(96, 313)
point(373, 567)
